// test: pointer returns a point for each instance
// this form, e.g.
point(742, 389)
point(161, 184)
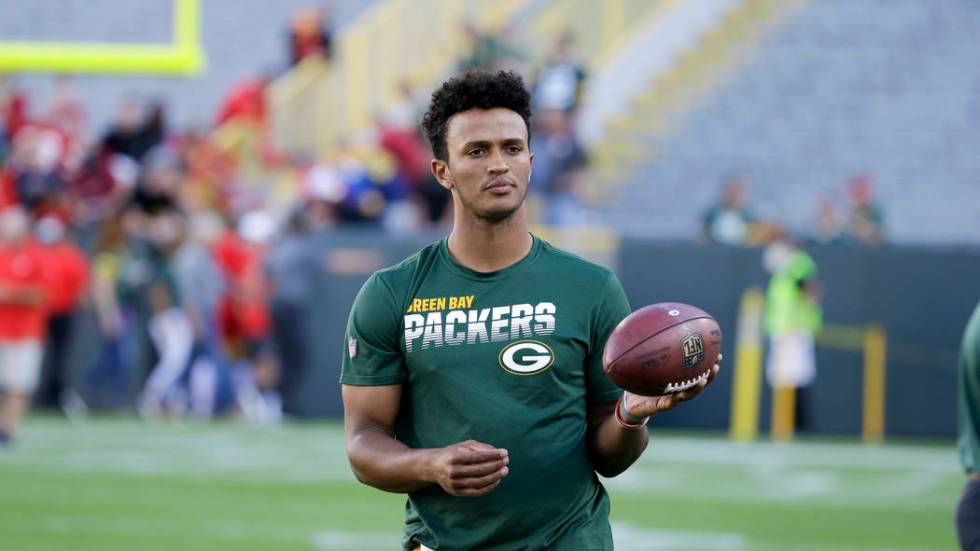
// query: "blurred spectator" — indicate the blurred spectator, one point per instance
point(487, 50)
point(134, 132)
point(22, 319)
point(65, 269)
point(190, 374)
point(66, 111)
point(730, 222)
point(830, 224)
point(244, 315)
point(792, 320)
point(412, 157)
point(407, 110)
point(108, 379)
point(13, 107)
point(372, 181)
point(560, 82)
point(310, 34)
point(290, 264)
point(409, 151)
point(96, 188)
point(173, 337)
point(559, 161)
point(35, 164)
point(8, 189)
point(200, 287)
point(865, 223)
point(144, 264)
point(245, 102)
point(160, 182)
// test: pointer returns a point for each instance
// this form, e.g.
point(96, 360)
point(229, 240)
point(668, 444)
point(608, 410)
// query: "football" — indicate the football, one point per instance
point(662, 348)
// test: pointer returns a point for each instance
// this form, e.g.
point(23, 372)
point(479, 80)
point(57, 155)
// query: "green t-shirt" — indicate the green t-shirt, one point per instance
point(511, 358)
point(788, 308)
point(969, 394)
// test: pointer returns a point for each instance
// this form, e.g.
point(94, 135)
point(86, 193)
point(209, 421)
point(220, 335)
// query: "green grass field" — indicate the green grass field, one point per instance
point(120, 484)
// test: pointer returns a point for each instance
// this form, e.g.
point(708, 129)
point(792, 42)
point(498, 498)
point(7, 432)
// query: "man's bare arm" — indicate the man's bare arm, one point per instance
point(612, 447)
point(380, 460)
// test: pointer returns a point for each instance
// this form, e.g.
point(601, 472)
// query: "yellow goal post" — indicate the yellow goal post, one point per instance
point(870, 340)
point(183, 56)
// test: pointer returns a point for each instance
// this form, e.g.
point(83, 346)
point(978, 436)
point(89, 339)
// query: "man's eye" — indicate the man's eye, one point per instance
point(515, 149)
point(476, 152)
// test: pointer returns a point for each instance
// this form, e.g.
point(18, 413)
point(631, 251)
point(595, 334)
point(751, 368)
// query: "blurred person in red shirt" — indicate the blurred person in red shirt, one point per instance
point(23, 306)
point(8, 187)
point(245, 102)
point(245, 318)
point(66, 274)
point(309, 34)
point(13, 106)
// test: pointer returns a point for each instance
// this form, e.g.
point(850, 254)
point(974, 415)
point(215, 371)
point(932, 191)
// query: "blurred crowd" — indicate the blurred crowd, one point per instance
point(144, 233)
point(176, 254)
point(859, 221)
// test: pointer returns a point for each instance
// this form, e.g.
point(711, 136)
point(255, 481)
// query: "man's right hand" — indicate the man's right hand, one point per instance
point(469, 468)
point(379, 459)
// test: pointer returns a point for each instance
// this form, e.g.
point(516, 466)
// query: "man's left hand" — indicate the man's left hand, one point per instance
point(645, 406)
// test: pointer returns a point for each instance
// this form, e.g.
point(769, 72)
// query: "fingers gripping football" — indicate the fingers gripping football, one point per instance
point(644, 406)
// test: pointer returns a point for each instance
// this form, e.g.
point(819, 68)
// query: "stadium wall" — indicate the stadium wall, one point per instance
point(922, 297)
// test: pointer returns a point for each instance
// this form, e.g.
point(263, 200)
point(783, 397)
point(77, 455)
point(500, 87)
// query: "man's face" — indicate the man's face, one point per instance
point(489, 162)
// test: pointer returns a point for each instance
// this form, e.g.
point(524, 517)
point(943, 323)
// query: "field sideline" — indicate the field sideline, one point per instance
point(120, 484)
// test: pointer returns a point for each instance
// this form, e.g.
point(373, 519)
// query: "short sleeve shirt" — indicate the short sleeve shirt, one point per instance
point(512, 358)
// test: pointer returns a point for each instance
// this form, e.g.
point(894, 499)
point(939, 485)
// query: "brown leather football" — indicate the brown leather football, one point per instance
point(662, 348)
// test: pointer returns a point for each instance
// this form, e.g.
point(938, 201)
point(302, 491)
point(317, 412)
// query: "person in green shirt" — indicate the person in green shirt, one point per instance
point(968, 511)
point(472, 379)
point(792, 320)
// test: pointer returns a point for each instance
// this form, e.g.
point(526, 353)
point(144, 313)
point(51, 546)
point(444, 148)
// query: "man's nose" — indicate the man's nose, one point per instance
point(497, 165)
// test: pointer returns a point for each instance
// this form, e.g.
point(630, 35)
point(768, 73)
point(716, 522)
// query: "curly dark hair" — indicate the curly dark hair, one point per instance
point(474, 90)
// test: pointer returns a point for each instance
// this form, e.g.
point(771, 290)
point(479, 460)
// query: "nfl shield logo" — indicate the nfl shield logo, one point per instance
point(351, 347)
point(693, 348)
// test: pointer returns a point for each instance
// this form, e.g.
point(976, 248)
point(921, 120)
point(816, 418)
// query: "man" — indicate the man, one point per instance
point(792, 320)
point(22, 320)
point(472, 378)
point(65, 270)
point(730, 222)
point(968, 511)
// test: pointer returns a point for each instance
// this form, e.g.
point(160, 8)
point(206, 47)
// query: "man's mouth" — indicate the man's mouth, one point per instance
point(500, 186)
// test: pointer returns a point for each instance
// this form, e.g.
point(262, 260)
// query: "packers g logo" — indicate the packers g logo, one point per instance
point(526, 357)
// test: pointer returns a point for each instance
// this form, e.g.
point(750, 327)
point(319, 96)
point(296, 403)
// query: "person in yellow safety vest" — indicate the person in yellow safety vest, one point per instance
point(792, 320)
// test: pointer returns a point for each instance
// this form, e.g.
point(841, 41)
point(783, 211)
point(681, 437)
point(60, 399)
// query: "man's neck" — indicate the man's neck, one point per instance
point(488, 246)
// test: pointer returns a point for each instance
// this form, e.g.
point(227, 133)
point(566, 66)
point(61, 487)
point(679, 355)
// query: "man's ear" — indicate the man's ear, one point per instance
point(440, 169)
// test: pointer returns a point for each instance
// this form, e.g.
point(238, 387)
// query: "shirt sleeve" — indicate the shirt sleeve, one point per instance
point(372, 351)
point(613, 306)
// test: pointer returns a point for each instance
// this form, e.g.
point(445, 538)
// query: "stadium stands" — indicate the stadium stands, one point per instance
point(838, 88)
point(244, 41)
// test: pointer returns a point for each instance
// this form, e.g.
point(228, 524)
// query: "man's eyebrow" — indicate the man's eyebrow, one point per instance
point(475, 143)
point(488, 143)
